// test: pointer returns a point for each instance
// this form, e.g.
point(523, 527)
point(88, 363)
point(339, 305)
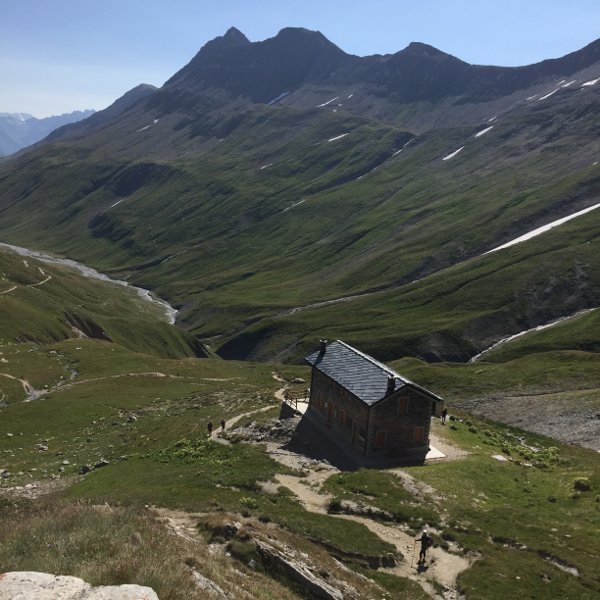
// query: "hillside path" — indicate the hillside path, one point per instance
point(442, 567)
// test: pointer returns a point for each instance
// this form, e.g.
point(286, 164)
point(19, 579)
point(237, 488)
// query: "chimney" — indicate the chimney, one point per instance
point(323, 346)
point(391, 384)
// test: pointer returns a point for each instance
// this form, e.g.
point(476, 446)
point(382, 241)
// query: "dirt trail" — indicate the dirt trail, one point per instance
point(441, 567)
point(31, 392)
point(46, 279)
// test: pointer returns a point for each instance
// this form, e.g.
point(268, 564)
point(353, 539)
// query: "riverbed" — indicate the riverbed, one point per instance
point(146, 295)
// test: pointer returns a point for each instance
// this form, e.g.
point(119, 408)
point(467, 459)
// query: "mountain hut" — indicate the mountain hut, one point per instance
point(367, 407)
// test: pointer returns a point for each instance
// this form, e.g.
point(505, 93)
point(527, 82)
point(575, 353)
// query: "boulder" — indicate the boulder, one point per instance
point(43, 586)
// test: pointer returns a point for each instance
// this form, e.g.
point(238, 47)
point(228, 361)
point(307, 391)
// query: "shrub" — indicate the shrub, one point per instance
point(334, 506)
point(243, 551)
point(248, 502)
point(582, 484)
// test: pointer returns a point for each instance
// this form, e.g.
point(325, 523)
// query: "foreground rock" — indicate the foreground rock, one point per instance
point(28, 585)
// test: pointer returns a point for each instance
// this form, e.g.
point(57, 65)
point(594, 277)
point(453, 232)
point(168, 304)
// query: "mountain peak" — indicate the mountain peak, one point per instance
point(421, 49)
point(234, 37)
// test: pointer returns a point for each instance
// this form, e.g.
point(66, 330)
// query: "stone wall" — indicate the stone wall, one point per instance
point(340, 410)
point(402, 420)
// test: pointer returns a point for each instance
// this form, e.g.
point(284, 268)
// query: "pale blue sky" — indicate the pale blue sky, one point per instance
point(62, 55)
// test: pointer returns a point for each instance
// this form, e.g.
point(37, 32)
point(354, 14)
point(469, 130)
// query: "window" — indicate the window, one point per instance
point(402, 405)
point(319, 399)
point(342, 417)
point(380, 439)
point(348, 422)
point(419, 434)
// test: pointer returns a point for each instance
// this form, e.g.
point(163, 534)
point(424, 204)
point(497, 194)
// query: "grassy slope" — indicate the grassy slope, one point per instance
point(218, 241)
point(162, 458)
point(43, 303)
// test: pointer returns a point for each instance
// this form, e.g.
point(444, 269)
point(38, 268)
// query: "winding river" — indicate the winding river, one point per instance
point(169, 312)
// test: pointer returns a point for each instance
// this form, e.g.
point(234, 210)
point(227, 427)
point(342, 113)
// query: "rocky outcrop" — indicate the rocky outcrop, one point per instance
point(28, 585)
point(294, 566)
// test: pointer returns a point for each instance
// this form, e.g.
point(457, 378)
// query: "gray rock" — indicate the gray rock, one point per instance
point(42, 586)
point(206, 584)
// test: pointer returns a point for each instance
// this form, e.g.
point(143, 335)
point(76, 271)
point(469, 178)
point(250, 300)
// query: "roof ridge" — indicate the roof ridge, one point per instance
point(383, 367)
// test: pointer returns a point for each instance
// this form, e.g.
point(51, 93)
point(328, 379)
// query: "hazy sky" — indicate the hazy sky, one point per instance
point(62, 55)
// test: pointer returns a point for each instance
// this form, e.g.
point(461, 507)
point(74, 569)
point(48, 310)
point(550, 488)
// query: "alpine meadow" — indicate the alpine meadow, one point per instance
point(158, 424)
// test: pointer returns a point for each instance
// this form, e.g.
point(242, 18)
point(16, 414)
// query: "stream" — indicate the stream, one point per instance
point(169, 312)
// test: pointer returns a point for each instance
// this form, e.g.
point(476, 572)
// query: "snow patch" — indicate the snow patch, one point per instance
point(404, 146)
point(532, 97)
point(266, 166)
point(280, 97)
point(484, 131)
point(452, 154)
point(155, 121)
point(116, 203)
point(350, 96)
point(550, 94)
point(294, 204)
point(544, 228)
point(492, 119)
point(144, 128)
point(591, 82)
point(328, 102)
point(337, 137)
point(568, 83)
point(510, 338)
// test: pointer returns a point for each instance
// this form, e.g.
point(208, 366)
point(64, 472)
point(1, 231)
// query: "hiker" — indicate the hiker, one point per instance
point(444, 415)
point(222, 424)
point(426, 543)
point(210, 428)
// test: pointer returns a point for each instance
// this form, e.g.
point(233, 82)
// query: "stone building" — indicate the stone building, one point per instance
point(367, 407)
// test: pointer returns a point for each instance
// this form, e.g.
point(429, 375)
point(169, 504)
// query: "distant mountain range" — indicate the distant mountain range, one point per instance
point(18, 130)
point(281, 191)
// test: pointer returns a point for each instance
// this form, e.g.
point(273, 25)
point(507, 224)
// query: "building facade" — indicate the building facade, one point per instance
point(368, 407)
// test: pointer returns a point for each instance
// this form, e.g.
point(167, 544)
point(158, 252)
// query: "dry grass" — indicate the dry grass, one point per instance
point(111, 546)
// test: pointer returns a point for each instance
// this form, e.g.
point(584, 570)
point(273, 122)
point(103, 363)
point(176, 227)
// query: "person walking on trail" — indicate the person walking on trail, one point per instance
point(222, 424)
point(426, 543)
point(210, 428)
point(444, 415)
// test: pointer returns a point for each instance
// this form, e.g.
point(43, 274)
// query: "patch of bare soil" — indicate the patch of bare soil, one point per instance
point(440, 566)
point(437, 439)
point(571, 417)
point(36, 489)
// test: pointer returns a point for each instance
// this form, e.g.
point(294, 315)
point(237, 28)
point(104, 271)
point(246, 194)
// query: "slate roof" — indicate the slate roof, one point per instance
point(359, 373)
